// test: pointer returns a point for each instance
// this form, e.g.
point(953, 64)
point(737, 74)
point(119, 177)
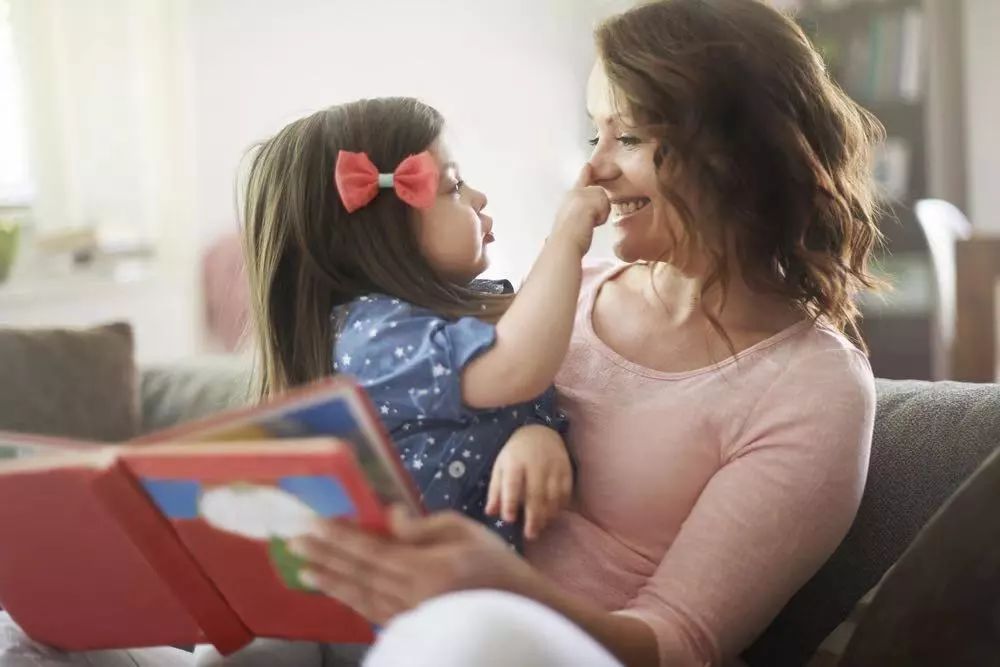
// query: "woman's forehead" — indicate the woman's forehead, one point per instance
point(602, 107)
point(600, 99)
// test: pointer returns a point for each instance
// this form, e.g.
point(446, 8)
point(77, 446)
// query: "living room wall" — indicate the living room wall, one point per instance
point(508, 76)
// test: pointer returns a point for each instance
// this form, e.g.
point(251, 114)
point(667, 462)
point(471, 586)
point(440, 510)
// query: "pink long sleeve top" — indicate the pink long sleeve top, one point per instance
point(706, 498)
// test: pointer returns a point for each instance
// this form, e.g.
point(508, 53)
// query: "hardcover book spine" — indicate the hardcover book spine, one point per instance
point(154, 536)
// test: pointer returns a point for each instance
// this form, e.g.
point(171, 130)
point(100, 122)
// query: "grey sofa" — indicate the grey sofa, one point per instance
point(929, 437)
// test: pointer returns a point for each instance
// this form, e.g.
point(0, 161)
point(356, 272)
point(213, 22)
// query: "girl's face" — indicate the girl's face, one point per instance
point(622, 162)
point(454, 232)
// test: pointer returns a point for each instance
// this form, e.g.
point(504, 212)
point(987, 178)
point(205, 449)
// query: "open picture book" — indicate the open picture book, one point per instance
point(179, 538)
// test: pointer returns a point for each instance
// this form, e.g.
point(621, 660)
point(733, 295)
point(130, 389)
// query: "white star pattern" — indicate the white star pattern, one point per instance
point(439, 370)
point(431, 441)
point(499, 523)
point(400, 353)
point(368, 362)
point(358, 326)
point(417, 464)
point(373, 333)
point(406, 427)
point(439, 475)
point(384, 409)
point(466, 454)
point(437, 390)
point(392, 325)
point(346, 360)
point(409, 348)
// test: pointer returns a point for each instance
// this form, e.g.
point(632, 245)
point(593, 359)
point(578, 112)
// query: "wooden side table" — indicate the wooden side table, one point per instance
point(974, 355)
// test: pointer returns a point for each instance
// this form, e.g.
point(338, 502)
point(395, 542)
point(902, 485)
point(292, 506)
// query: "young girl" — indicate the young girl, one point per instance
point(363, 242)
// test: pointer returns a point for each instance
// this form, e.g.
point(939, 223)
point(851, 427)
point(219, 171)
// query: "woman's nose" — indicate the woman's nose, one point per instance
point(603, 165)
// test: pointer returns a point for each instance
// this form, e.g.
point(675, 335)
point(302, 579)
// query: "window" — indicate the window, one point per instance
point(15, 184)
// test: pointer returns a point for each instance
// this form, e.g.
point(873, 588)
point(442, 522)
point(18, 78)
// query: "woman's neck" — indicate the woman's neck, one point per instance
point(682, 299)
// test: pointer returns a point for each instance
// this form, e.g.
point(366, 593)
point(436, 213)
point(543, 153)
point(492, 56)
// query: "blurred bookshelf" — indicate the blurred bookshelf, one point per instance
point(878, 52)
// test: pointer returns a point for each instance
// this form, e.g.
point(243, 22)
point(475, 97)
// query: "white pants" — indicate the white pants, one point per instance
point(471, 628)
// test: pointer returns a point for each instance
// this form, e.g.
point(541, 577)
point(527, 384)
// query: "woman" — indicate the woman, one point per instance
point(721, 418)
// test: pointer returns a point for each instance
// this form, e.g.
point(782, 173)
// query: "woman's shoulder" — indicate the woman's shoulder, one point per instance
point(825, 349)
point(822, 362)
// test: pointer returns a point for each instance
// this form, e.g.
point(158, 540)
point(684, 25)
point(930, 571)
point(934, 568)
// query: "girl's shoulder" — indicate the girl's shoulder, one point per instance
point(376, 309)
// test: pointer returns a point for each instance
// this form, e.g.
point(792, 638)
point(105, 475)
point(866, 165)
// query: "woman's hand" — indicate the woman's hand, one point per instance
point(584, 207)
point(382, 576)
point(533, 470)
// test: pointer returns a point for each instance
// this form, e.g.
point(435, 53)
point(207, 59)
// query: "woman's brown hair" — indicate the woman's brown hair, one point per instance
point(306, 254)
point(745, 115)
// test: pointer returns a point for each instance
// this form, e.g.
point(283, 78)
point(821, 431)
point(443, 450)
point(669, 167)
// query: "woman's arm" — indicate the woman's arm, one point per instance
point(767, 520)
point(428, 556)
point(629, 639)
point(784, 497)
point(533, 335)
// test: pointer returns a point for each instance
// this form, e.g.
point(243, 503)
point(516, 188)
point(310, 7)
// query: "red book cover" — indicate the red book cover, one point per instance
point(235, 506)
point(151, 544)
point(70, 574)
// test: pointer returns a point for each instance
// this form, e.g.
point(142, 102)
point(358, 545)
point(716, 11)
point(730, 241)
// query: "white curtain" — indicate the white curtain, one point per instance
point(15, 181)
point(101, 100)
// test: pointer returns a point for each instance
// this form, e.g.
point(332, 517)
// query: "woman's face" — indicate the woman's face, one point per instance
point(622, 163)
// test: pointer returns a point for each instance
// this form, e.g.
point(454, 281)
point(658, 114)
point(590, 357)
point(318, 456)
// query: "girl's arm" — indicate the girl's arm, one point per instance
point(533, 335)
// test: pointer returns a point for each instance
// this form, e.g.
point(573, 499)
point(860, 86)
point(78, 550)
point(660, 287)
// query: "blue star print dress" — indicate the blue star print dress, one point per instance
point(410, 361)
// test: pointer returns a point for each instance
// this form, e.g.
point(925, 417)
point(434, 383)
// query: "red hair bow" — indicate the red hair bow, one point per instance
point(358, 181)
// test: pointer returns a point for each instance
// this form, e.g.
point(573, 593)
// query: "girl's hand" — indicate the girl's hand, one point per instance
point(584, 207)
point(533, 470)
point(424, 557)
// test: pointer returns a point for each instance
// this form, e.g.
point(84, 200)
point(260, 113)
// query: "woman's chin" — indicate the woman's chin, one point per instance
point(628, 248)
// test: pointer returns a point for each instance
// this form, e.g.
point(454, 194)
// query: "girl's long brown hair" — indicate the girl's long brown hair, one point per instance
point(306, 254)
point(745, 115)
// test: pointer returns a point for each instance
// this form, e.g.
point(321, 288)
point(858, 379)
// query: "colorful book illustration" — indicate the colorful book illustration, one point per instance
point(181, 538)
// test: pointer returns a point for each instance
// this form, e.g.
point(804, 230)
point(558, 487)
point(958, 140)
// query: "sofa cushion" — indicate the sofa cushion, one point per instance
point(71, 383)
point(177, 393)
point(939, 605)
point(929, 437)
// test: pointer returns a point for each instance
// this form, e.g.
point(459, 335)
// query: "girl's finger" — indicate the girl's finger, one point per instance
point(567, 488)
point(513, 492)
point(556, 490)
point(494, 492)
point(535, 504)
